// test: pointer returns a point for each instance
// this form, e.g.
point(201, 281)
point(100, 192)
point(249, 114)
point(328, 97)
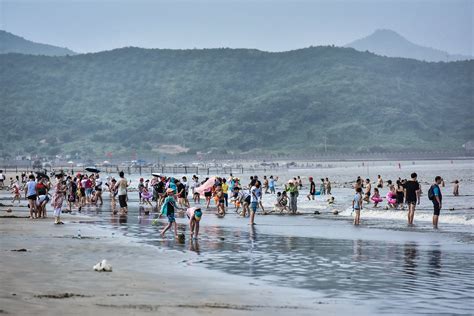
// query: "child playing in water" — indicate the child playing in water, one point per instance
point(376, 197)
point(282, 202)
point(146, 196)
point(194, 215)
point(16, 192)
point(168, 208)
point(220, 201)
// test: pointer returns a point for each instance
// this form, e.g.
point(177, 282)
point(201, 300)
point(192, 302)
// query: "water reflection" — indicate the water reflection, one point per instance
point(434, 262)
point(410, 258)
point(194, 246)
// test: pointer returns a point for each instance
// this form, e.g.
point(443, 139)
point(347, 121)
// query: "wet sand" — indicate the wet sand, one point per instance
point(55, 277)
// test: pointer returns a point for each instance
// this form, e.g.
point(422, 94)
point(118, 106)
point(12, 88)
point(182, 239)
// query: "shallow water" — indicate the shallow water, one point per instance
point(384, 264)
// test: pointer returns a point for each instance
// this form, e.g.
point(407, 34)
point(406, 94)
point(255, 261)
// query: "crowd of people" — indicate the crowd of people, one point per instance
point(404, 193)
point(169, 194)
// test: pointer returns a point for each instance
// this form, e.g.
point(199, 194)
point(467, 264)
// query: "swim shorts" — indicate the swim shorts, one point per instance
point(171, 218)
point(123, 200)
point(32, 197)
point(436, 208)
point(253, 206)
point(411, 202)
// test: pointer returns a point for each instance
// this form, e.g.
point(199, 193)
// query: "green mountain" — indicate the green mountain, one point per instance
point(391, 44)
point(10, 43)
point(136, 100)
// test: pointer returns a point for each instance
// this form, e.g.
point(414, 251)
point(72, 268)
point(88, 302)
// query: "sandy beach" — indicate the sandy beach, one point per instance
point(54, 276)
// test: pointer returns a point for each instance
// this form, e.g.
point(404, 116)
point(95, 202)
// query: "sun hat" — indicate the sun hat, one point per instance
point(169, 191)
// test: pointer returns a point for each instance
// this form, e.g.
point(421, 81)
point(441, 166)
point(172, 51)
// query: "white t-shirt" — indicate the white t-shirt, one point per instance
point(122, 186)
point(254, 194)
point(98, 183)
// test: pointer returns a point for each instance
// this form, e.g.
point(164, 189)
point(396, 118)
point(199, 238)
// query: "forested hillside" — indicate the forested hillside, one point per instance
point(134, 99)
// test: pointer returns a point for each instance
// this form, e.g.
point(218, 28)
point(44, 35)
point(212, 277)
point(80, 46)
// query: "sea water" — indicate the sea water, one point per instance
point(384, 264)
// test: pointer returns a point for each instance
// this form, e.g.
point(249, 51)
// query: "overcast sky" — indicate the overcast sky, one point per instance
point(89, 26)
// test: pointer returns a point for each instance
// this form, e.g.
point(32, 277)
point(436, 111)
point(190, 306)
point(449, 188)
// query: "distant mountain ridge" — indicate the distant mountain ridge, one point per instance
point(11, 43)
point(232, 100)
point(391, 44)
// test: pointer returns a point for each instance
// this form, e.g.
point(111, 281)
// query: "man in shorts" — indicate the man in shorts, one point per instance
point(412, 196)
point(437, 199)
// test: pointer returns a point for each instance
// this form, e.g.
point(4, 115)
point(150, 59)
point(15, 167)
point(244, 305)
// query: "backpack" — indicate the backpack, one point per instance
point(431, 195)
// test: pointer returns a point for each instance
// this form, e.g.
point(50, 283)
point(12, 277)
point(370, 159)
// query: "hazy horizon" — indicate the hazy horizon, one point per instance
point(91, 26)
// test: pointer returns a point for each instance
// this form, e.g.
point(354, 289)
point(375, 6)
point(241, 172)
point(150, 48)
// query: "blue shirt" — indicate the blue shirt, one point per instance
point(31, 185)
point(357, 198)
point(436, 191)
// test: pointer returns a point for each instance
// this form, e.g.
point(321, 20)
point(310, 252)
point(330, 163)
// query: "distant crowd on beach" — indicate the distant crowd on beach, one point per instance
point(169, 194)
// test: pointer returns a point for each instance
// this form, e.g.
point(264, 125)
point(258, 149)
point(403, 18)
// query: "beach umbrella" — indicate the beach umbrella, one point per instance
point(93, 170)
point(156, 174)
point(42, 175)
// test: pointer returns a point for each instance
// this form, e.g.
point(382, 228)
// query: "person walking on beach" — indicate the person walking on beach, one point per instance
point(328, 186)
point(58, 198)
point(292, 190)
point(357, 205)
point(98, 190)
point(141, 185)
point(30, 195)
point(265, 184)
point(167, 209)
point(194, 215)
point(272, 184)
point(322, 187)
point(254, 201)
point(412, 196)
point(400, 194)
point(312, 189)
point(434, 194)
point(122, 185)
point(225, 190)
